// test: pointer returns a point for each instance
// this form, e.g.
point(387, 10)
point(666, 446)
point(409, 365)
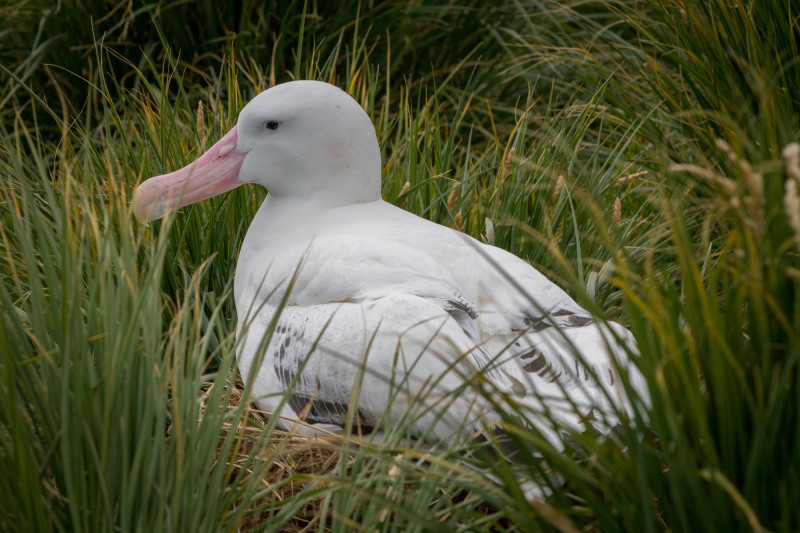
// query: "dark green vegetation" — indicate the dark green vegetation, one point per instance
point(633, 151)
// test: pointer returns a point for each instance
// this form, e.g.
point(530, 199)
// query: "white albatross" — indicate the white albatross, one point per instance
point(357, 283)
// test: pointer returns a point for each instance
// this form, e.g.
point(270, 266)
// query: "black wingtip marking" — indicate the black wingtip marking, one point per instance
point(319, 411)
point(576, 321)
point(539, 365)
point(303, 401)
point(505, 446)
point(536, 323)
point(538, 362)
point(565, 318)
point(455, 305)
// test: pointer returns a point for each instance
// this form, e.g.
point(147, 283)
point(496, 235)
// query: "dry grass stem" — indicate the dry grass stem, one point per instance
point(555, 517)
point(393, 471)
point(725, 147)
point(295, 460)
point(754, 201)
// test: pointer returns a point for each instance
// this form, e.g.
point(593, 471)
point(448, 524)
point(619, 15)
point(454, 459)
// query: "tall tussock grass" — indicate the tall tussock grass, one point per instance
point(642, 154)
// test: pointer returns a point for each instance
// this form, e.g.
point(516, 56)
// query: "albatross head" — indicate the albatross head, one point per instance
point(302, 140)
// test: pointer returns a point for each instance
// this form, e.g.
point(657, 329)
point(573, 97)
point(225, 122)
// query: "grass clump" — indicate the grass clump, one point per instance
point(640, 154)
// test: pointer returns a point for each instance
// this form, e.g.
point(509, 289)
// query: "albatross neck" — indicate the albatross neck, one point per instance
point(279, 210)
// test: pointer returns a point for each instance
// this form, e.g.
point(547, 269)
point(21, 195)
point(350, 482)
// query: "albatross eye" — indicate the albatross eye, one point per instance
point(271, 125)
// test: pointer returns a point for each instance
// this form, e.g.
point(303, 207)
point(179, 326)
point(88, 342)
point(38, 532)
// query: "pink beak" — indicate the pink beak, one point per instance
point(215, 172)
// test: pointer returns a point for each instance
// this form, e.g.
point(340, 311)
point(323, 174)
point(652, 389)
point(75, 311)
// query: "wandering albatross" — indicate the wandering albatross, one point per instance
point(350, 305)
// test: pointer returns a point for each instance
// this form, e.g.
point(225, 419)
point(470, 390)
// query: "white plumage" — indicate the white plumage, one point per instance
point(376, 311)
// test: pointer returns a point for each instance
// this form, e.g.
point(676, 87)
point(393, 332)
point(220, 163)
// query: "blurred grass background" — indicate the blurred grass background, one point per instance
point(638, 153)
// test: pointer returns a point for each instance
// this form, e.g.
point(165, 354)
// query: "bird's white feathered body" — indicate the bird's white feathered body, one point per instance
point(426, 310)
point(352, 309)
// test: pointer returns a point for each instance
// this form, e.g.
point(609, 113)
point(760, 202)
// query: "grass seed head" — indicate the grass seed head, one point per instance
point(629, 178)
point(754, 201)
point(508, 163)
point(791, 154)
point(403, 192)
point(453, 197)
point(489, 236)
point(201, 122)
point(791, 203)
point(727, 185)
point(557, 189)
